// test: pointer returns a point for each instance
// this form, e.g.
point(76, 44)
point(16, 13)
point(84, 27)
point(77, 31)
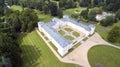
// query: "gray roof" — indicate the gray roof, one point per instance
point(79, 23)
point(56, 35)
point(53, 33)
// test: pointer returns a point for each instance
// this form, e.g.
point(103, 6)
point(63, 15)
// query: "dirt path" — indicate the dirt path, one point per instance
point(79, 55)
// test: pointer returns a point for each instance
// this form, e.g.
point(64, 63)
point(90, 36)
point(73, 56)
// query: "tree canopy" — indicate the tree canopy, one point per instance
point(118, 14)
point(108, 21)
point(114, 35)
point(92, 13)
point(11, 23)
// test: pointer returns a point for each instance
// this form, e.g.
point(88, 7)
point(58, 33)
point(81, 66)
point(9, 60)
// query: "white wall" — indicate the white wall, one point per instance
point(78, 28)
point(59, 24)
point(61, 50)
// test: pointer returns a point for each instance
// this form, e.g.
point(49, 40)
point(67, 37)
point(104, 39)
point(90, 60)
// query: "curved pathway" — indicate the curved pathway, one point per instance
point(79, 55)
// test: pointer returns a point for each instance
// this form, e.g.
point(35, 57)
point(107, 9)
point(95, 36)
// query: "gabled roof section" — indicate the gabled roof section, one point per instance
point(54, 34)
point(79, 23)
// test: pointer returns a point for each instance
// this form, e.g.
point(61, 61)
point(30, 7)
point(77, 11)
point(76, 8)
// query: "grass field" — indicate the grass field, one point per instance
point(72, 10)
point(76, 34)
point(103, 31)
point(44, 17)
point(37, 54)
point(68, 29)
point(69, 37)
point(16, 7)
point(61, 32)
point(104, 55)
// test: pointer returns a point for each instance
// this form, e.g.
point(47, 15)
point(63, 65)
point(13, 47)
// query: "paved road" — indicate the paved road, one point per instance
point(79, 55)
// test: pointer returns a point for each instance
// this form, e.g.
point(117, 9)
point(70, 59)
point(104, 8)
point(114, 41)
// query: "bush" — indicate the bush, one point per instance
point(75, 16)
point(84, 14)
point(118, 14)
point(108, 21)
point(114, 35)
point(92, 13)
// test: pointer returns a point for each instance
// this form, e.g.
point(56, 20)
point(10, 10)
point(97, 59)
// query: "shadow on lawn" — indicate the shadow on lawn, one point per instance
point(31, 52)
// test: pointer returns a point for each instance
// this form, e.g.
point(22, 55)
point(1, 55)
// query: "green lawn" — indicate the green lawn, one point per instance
point(69, 37)
point(44, 17)
point(16, 7)
point(61, 32)
point(103, 31)
point(104, 55)
point(37, 54)
point(68, 29)
point(76, 34)
point(72, 10)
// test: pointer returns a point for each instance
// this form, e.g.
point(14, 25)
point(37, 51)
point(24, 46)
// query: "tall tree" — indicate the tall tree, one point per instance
point(54, 9)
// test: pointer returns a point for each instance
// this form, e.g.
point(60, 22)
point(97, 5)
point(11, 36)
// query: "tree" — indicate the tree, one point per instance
point(15, 23)
point(85, 3)
point(108, 21)
point(54, 9)
point(2, 7)
point(62, 3)
point(112, 5)
point(28, 16)
point(60, 13)
point(84, 13)
point(97, 2)
point(65, 4)
point(23, 27)
point(30, 27)
point(118, 14)
point(71, 4)
point(92, 13)
point(10, 49)
point(46, 9)
point(114, 35)
point(76, 16)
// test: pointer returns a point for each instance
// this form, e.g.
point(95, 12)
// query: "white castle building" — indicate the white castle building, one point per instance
point(63, 44)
